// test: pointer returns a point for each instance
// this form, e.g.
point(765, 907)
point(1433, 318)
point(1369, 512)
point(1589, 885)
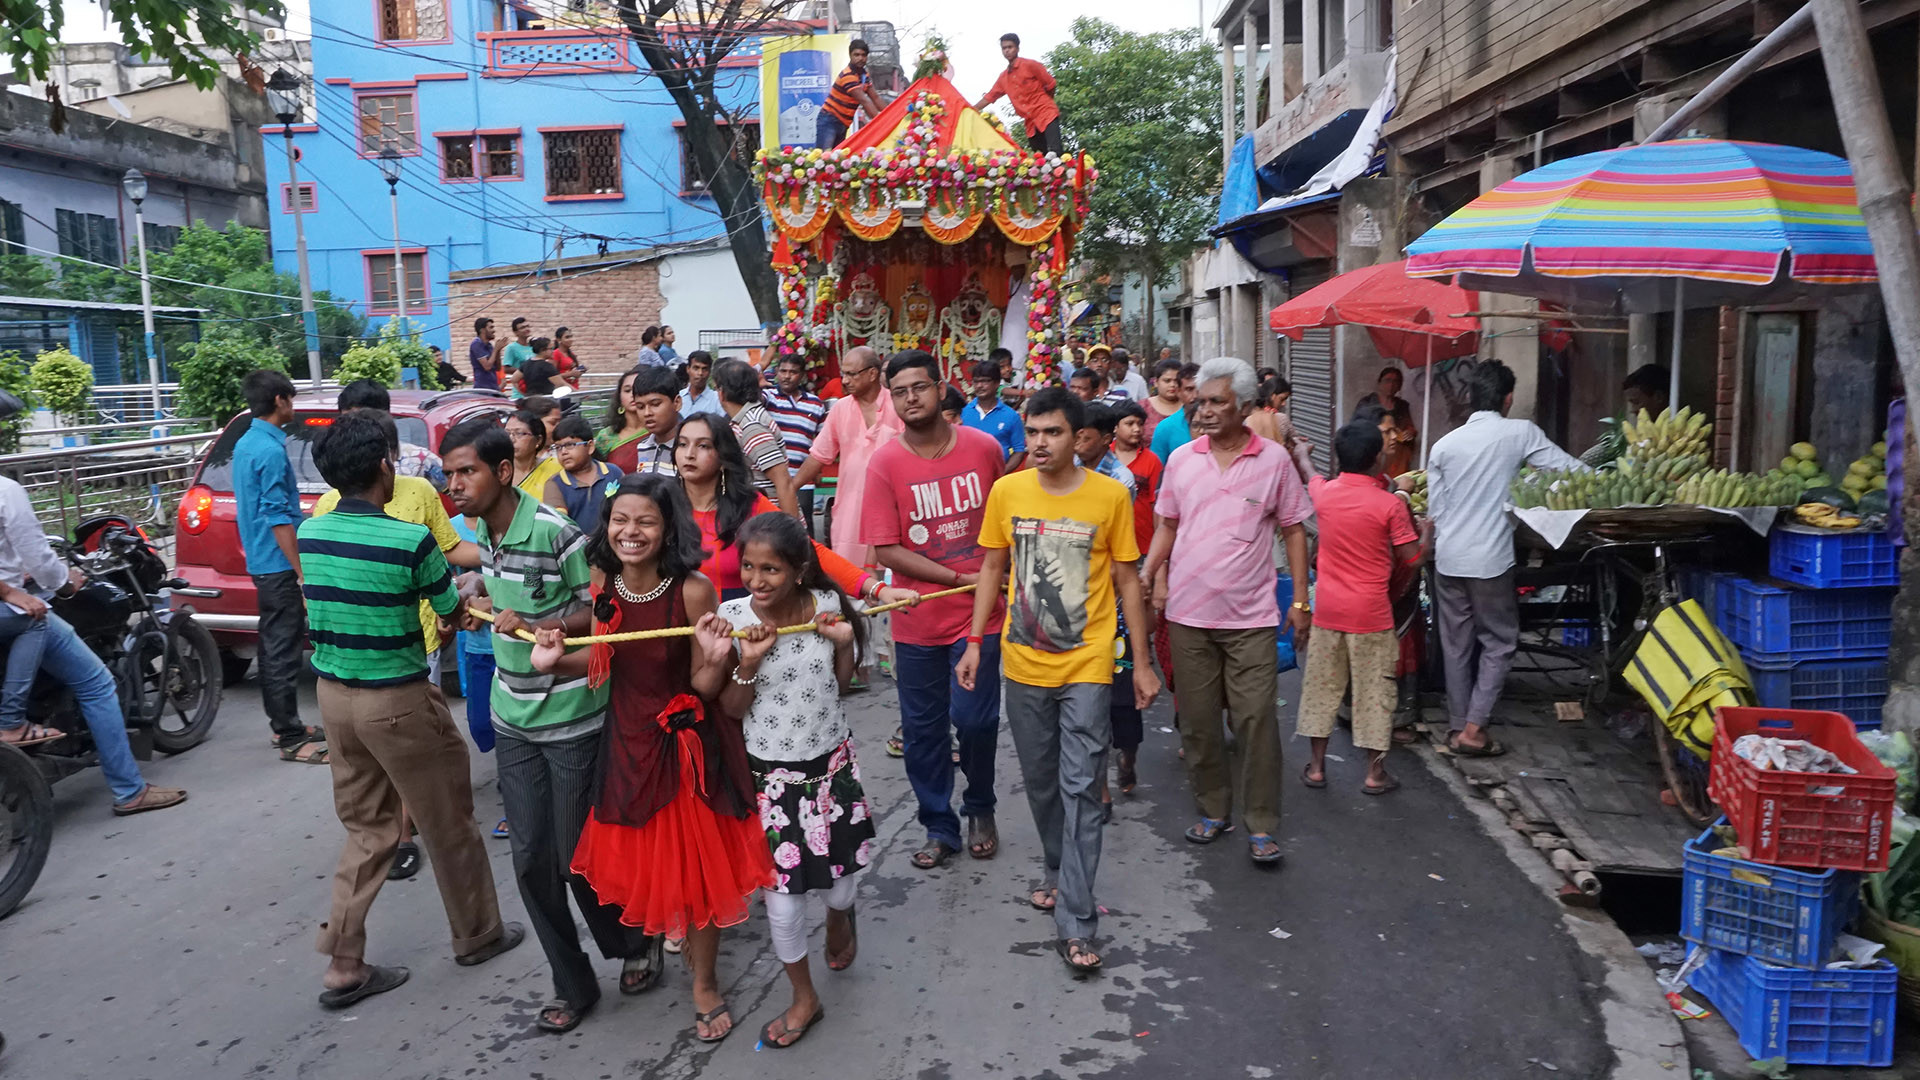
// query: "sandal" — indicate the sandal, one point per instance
point(307, 752)
point(1207, 830)
point(150, 798)
point(642, 973)
point(934, 855)
point(406, 862)
point(379, 980)
point(500, 830)
point(1128, 779)
point(1263, 850)
point(1405, 736)
point(836, 963)
point(772, 1042)
point(896, 745)
point(34, 735)
point(708, 1018)
point(983, 836)
point(1380, 789)
point(1306, 777)
point(1087, 960)
point(511, 935)
point(1463, 749)
point(304, 735)
point(675, 945)
point(560, 1027)
point(1043, 897)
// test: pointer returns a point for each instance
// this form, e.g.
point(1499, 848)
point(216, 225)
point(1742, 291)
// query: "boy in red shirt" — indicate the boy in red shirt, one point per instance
point(1366, 534)
point(1130, 446)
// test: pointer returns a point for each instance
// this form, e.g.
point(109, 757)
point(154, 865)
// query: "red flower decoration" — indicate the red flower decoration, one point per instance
point(681, 713)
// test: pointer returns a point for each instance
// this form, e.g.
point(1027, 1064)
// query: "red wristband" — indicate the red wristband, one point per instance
point(974, 639)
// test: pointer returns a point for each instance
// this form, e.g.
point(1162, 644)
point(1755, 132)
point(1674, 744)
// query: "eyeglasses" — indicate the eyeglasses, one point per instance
point(917, 388)
point(512, 434)
point(571, 444)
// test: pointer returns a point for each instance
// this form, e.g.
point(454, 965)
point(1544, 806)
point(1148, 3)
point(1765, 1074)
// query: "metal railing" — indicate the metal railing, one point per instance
point(142, 479)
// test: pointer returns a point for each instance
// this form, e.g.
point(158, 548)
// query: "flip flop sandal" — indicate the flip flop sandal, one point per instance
point(983, 836)
point(896, 746)
point(853, 951)
point(1052, 896)
point(1370, 789)
point(1262, 849)
point(1207, 830)
point(766, 1033)
point(1306, 777)
point(934, 855)
point(642, 973)
point(500, 830)
point(709, 1017)
point(1491, 749)
point(406, 862)
point(1079, 945)
point(675, 945)
point(150, 798)
point(35, 735)
point(310, 752)
point(379, 980)
point(558, 1027)
point(511, 935)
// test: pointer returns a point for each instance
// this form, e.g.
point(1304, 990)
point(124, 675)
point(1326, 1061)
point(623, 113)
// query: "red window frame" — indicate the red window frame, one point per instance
point(286, 197)
point(392, 305)
point(547, 149)
point(477, 155)
point(407, 143)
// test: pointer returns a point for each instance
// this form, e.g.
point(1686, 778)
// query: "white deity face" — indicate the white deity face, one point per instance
point(971, 304)
point(863, 296)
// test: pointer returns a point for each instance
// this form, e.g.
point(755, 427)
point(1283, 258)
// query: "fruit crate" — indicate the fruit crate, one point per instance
point(1778, 914)
point(1837, 1016)
point(1822, 820)
point(1770, 623)
point(1856, 689)
point(1826, 558)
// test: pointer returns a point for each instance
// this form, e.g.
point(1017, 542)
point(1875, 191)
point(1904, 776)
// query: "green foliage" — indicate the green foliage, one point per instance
point(188, 36)
point(1146, 107)
point(15, 380)
point(24, 275)
point(406, 344)
point(377, 362)
point(214, 366)
point(63, 383)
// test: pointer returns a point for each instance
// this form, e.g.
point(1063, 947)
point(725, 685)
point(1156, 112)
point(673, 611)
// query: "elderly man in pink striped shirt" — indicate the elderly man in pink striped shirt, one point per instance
point(1223, 498)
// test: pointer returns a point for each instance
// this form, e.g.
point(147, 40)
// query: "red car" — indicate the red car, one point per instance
point(207, 543)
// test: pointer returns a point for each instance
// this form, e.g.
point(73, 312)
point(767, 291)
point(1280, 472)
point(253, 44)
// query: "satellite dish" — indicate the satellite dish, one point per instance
point(120, 107)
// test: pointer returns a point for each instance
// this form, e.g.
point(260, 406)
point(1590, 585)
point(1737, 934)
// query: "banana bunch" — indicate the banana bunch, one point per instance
point(1557, 489)
point(1682, 434)
point(1415, 483)
point(1822, 516)
point(1730, 489)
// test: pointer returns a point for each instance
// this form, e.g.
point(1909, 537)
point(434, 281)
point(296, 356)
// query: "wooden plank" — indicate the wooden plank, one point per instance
point(1648, 843)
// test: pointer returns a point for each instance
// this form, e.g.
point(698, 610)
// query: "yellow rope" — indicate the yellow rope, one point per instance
point(687, 631)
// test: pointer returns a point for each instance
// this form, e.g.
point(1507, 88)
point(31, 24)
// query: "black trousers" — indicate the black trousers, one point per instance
point(805, 498)
point(547, 789)
point(283, 623)
point(1045, 140)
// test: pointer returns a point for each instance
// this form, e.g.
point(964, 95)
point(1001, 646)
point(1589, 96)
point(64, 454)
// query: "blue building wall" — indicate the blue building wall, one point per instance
point(476, 80)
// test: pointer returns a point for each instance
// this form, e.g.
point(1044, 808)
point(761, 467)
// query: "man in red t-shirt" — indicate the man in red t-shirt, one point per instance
point(1029, 85)
point(926, 492)
point(1366, 535)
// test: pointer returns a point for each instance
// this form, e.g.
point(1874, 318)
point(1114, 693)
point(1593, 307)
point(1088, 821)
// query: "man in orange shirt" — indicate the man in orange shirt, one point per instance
point(1029, 85)
point(852, 90)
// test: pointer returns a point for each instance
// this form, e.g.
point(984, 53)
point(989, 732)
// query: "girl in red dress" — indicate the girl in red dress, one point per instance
point(673, 837)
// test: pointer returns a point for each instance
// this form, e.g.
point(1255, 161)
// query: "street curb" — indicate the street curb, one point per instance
point(1641, 1030)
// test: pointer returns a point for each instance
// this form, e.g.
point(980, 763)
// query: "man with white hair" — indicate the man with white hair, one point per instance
point(1223, 497)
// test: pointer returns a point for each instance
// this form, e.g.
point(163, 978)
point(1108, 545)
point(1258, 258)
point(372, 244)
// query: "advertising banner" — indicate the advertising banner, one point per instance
point(795, 75)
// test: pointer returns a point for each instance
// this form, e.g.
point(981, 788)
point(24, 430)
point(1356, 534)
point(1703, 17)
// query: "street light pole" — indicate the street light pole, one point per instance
point(135, 185)
point(390, 162)
point(284, 91)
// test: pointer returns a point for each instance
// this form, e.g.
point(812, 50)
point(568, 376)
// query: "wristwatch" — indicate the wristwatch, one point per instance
point(1302, 605)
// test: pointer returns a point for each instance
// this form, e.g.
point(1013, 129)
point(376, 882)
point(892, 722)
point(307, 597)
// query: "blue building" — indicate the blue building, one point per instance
point(524, 145)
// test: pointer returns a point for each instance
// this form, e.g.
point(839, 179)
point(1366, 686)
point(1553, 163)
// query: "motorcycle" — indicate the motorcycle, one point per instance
point(166, 665)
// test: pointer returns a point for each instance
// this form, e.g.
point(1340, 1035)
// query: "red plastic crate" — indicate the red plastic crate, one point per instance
point(1823, 820)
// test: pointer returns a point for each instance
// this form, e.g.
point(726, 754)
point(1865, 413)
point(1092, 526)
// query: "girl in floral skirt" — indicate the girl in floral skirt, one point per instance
point(786, 688)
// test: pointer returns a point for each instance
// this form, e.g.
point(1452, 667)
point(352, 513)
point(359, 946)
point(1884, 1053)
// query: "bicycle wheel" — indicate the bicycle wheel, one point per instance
point(1686, 777)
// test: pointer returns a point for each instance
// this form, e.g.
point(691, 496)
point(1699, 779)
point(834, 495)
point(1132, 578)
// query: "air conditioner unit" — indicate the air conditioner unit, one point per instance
point(273, 33)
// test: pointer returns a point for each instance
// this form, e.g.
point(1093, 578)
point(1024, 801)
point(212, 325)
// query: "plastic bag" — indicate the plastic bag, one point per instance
point(1284, 658)
point(1896, 752)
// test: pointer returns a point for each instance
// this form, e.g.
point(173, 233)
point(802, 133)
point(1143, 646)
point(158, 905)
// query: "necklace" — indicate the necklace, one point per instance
point(939, 451)
point(655, 593)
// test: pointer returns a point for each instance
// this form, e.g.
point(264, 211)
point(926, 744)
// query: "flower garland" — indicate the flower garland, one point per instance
point(792, 338)
point(1043, 320)
point(916, 169)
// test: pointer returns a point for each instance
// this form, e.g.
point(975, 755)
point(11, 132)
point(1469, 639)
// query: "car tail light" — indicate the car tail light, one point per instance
point(196, 510)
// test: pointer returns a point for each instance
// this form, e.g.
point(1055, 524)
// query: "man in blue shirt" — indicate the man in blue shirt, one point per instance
point(266, 503)
point(1176, 430)
point(986, 412)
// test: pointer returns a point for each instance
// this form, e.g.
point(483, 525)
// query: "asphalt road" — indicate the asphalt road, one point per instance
point(179, 944)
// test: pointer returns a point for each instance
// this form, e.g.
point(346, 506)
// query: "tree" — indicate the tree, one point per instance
point(211, 373)
point(63, 383)
point(1146, 108)
point(188, 35)
point(684, 42)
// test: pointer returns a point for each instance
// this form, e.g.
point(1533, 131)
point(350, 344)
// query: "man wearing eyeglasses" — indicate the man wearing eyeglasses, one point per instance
point(857, 425)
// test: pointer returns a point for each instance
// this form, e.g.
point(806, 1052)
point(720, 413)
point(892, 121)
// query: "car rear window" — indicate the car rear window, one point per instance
point(218, 471)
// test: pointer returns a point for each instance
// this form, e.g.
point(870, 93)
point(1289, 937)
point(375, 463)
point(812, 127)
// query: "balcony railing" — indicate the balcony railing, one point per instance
point(571, 51)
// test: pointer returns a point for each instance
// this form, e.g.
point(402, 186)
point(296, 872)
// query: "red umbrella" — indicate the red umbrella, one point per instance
point(1413, 320)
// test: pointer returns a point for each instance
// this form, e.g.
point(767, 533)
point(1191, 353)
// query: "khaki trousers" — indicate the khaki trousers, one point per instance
point(1235, 671)
point(387, 745)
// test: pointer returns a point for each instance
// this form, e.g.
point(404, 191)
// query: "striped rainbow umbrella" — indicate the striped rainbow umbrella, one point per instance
point(1746, 221)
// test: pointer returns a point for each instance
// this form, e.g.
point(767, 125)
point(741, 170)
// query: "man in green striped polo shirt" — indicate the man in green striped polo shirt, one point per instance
point(547, 727)
point(391, 737)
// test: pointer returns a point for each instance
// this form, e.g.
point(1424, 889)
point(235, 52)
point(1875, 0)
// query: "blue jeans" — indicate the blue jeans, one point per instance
point(932, 705)
point(69, 661)
point(828, 131)
point(26, 640)
point(476, 684)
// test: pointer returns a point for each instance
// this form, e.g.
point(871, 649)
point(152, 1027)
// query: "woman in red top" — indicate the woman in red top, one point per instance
point(673, 837)
point(1165, 400)
point(719, 487)
point(569, 365)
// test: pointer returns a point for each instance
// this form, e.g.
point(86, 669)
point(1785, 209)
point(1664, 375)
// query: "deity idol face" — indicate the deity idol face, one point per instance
point(971, 304)
point(918, 309)
point(863, 298)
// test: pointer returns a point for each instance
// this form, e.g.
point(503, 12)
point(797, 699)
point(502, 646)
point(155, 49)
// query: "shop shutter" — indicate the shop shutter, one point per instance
point(1310, 370)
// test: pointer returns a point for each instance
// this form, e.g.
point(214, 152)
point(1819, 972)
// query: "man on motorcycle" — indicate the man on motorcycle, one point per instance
point(31, 570)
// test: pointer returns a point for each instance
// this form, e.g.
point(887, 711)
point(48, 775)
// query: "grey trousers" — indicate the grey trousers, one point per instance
point(1479, 626)
point(546, 790)
point(1061, 734)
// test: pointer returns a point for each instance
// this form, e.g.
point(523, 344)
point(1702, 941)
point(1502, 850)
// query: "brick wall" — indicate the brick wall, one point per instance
point(606, 310)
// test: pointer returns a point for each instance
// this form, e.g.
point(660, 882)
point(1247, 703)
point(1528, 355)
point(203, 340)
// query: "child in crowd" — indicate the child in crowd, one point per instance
point(580, 487)
point(952, 405)
point(1093, 444)
point(788, 690)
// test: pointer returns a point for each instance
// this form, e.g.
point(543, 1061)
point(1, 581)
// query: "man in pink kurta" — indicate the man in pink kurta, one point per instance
point(856, 426)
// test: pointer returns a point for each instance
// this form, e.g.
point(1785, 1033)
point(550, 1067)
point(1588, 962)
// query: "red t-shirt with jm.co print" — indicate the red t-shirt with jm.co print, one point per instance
point(933, 508)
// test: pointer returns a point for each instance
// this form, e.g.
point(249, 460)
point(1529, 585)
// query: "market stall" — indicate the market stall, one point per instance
point(928, 228)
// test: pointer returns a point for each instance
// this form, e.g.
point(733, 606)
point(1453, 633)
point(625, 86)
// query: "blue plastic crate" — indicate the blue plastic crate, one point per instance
point(1775, 624)
point(1855, 688)
point(1832, 1017)
point(1776, 913)
point(1823, 558)
point(1702, 584)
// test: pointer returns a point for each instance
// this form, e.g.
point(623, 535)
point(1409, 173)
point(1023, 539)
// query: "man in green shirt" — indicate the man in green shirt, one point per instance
point(391, 737)
point(517, 352)
point(547, 727)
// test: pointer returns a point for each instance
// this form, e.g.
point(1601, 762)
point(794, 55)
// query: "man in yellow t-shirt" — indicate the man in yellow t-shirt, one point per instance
point(1067, 535)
